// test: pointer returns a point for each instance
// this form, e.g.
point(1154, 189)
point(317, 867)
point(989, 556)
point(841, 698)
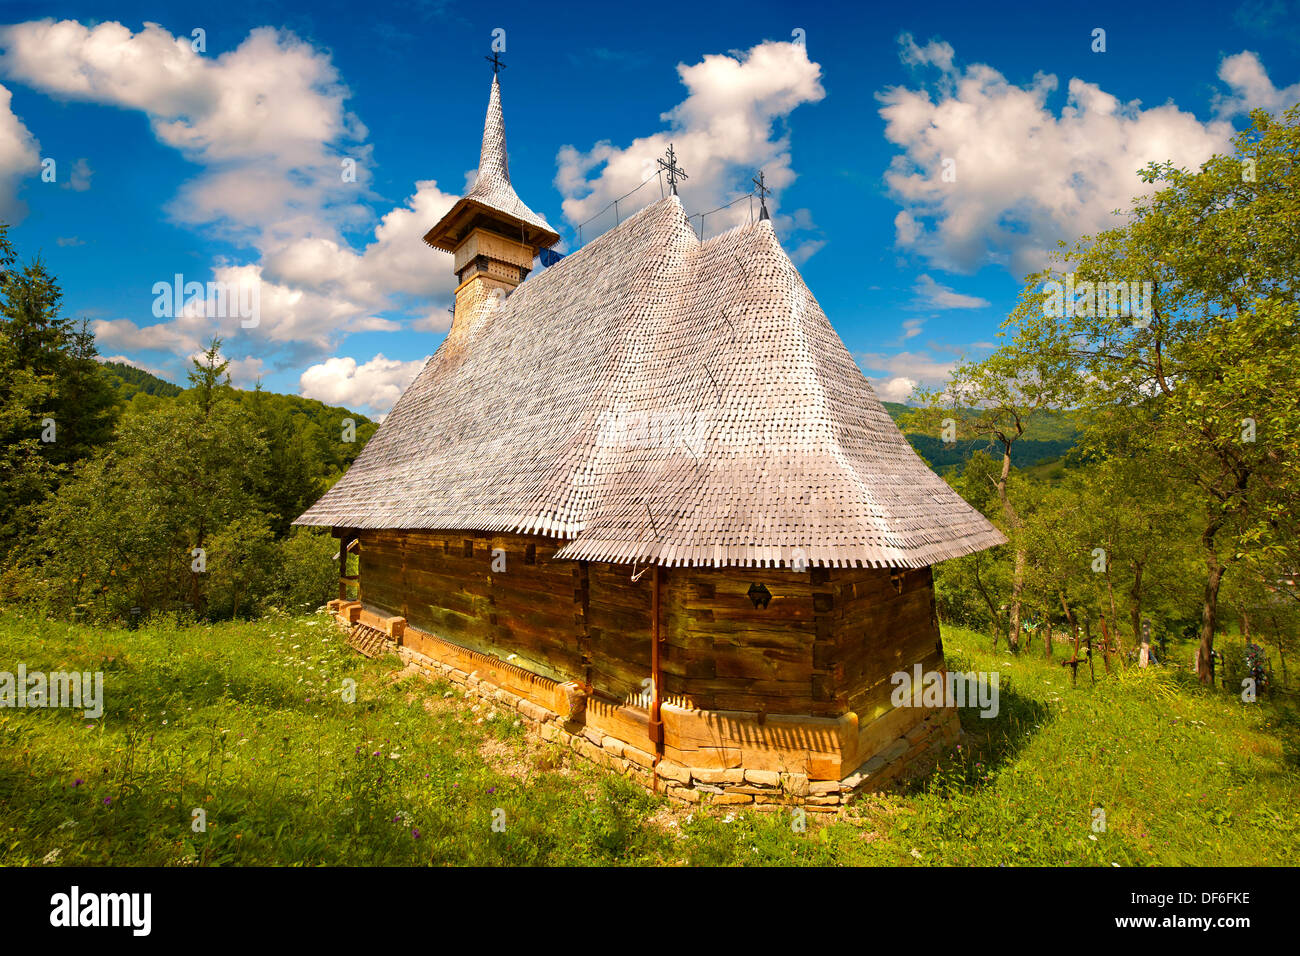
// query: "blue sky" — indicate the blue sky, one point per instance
point(224, 163)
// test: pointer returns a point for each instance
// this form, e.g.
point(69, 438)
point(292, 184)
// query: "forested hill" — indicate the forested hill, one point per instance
point(128, 381)
point(1048, 438)
point(155, 496)
point(305, 416)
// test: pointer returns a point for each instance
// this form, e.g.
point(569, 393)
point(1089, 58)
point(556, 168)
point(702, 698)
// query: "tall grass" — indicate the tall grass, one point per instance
point(251, 723)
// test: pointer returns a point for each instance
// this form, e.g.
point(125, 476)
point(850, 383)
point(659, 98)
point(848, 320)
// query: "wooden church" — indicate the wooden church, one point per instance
point(647, 500)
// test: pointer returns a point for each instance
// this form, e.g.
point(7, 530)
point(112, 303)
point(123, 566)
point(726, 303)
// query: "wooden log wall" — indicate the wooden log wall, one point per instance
point(723, 653)
point(443, 583)
point(618, 622)
point(826, 643)
point(876, 622)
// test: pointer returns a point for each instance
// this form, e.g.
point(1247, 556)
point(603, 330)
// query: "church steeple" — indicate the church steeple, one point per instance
point(493, 236)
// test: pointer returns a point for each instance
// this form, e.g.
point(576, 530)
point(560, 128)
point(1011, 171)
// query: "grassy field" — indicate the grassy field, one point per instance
point(248, 722)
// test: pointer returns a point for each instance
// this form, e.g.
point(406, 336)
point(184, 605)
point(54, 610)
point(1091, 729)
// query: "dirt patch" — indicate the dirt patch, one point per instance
point(506, 756)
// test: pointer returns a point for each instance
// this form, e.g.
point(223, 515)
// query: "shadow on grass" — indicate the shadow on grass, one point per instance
point(996, 741)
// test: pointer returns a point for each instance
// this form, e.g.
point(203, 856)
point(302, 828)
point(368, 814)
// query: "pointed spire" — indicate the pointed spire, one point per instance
point(492, 159)
point(492, 192)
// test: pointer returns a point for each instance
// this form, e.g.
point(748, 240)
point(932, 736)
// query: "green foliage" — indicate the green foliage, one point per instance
point(122, 494)
point(55, 407)
point(308, 571)
point(1050, 434)
point(1049, 425)
point(1187, 474)
point(187, 510)
point(943, 456)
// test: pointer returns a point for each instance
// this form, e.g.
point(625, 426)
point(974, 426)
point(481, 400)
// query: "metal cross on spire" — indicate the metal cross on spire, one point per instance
point(675, 172)
point(761, 183)
point(495, 60)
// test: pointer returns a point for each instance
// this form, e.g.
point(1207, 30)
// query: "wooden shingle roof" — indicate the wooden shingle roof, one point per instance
point(654, 398)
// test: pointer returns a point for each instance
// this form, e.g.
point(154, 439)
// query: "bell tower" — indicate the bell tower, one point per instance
point(491, 234)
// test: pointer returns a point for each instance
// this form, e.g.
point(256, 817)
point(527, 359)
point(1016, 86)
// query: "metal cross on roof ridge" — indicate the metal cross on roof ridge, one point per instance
point(761, 183)
point(675, 172)
point(495, 60)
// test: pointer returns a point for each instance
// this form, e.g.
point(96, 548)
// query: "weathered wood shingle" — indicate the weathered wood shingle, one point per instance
point(655, 398)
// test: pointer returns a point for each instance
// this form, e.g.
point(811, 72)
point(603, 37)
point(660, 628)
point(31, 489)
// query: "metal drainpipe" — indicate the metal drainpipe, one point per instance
point(656, 726)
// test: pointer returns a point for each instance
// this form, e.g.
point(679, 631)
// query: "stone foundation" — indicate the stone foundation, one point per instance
point(752, 761)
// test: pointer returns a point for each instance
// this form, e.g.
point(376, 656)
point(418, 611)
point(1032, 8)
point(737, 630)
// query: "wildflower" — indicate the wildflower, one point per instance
point(107, 801)
point(78, 782)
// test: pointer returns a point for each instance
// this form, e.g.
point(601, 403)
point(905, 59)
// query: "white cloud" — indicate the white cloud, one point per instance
point(898, 374)
point(1024, 176)
point(1251, 87)
point(246, 372)
point(19, 157)
point(936, 53)
point(79, 179)
point(399, 260)
point(181, 338)
point(932, 295)
point(727, 128)
point(373, 386)
point(268, 125)
point(272, 107)
point(806, 250)
point(912, 328)
point(896, 389)
point(438, 320)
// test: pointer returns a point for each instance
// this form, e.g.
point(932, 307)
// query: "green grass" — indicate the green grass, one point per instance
point(248, 722)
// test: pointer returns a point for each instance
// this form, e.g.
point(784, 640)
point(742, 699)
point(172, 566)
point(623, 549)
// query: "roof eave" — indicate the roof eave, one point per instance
point(446, 233)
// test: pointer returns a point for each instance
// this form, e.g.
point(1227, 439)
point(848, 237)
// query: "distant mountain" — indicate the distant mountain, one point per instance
point(1049, 437)
point(131, 381)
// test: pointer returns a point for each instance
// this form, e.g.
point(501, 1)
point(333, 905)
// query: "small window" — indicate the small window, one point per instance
point(530, 554)
point(469, 549)
point(446, 547)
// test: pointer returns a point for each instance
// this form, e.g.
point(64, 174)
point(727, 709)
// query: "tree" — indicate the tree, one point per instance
point(1193, 380)
point(969, 590)
point(56, 407)
point(996, 399)
point(134, 526)
point(291, 479)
